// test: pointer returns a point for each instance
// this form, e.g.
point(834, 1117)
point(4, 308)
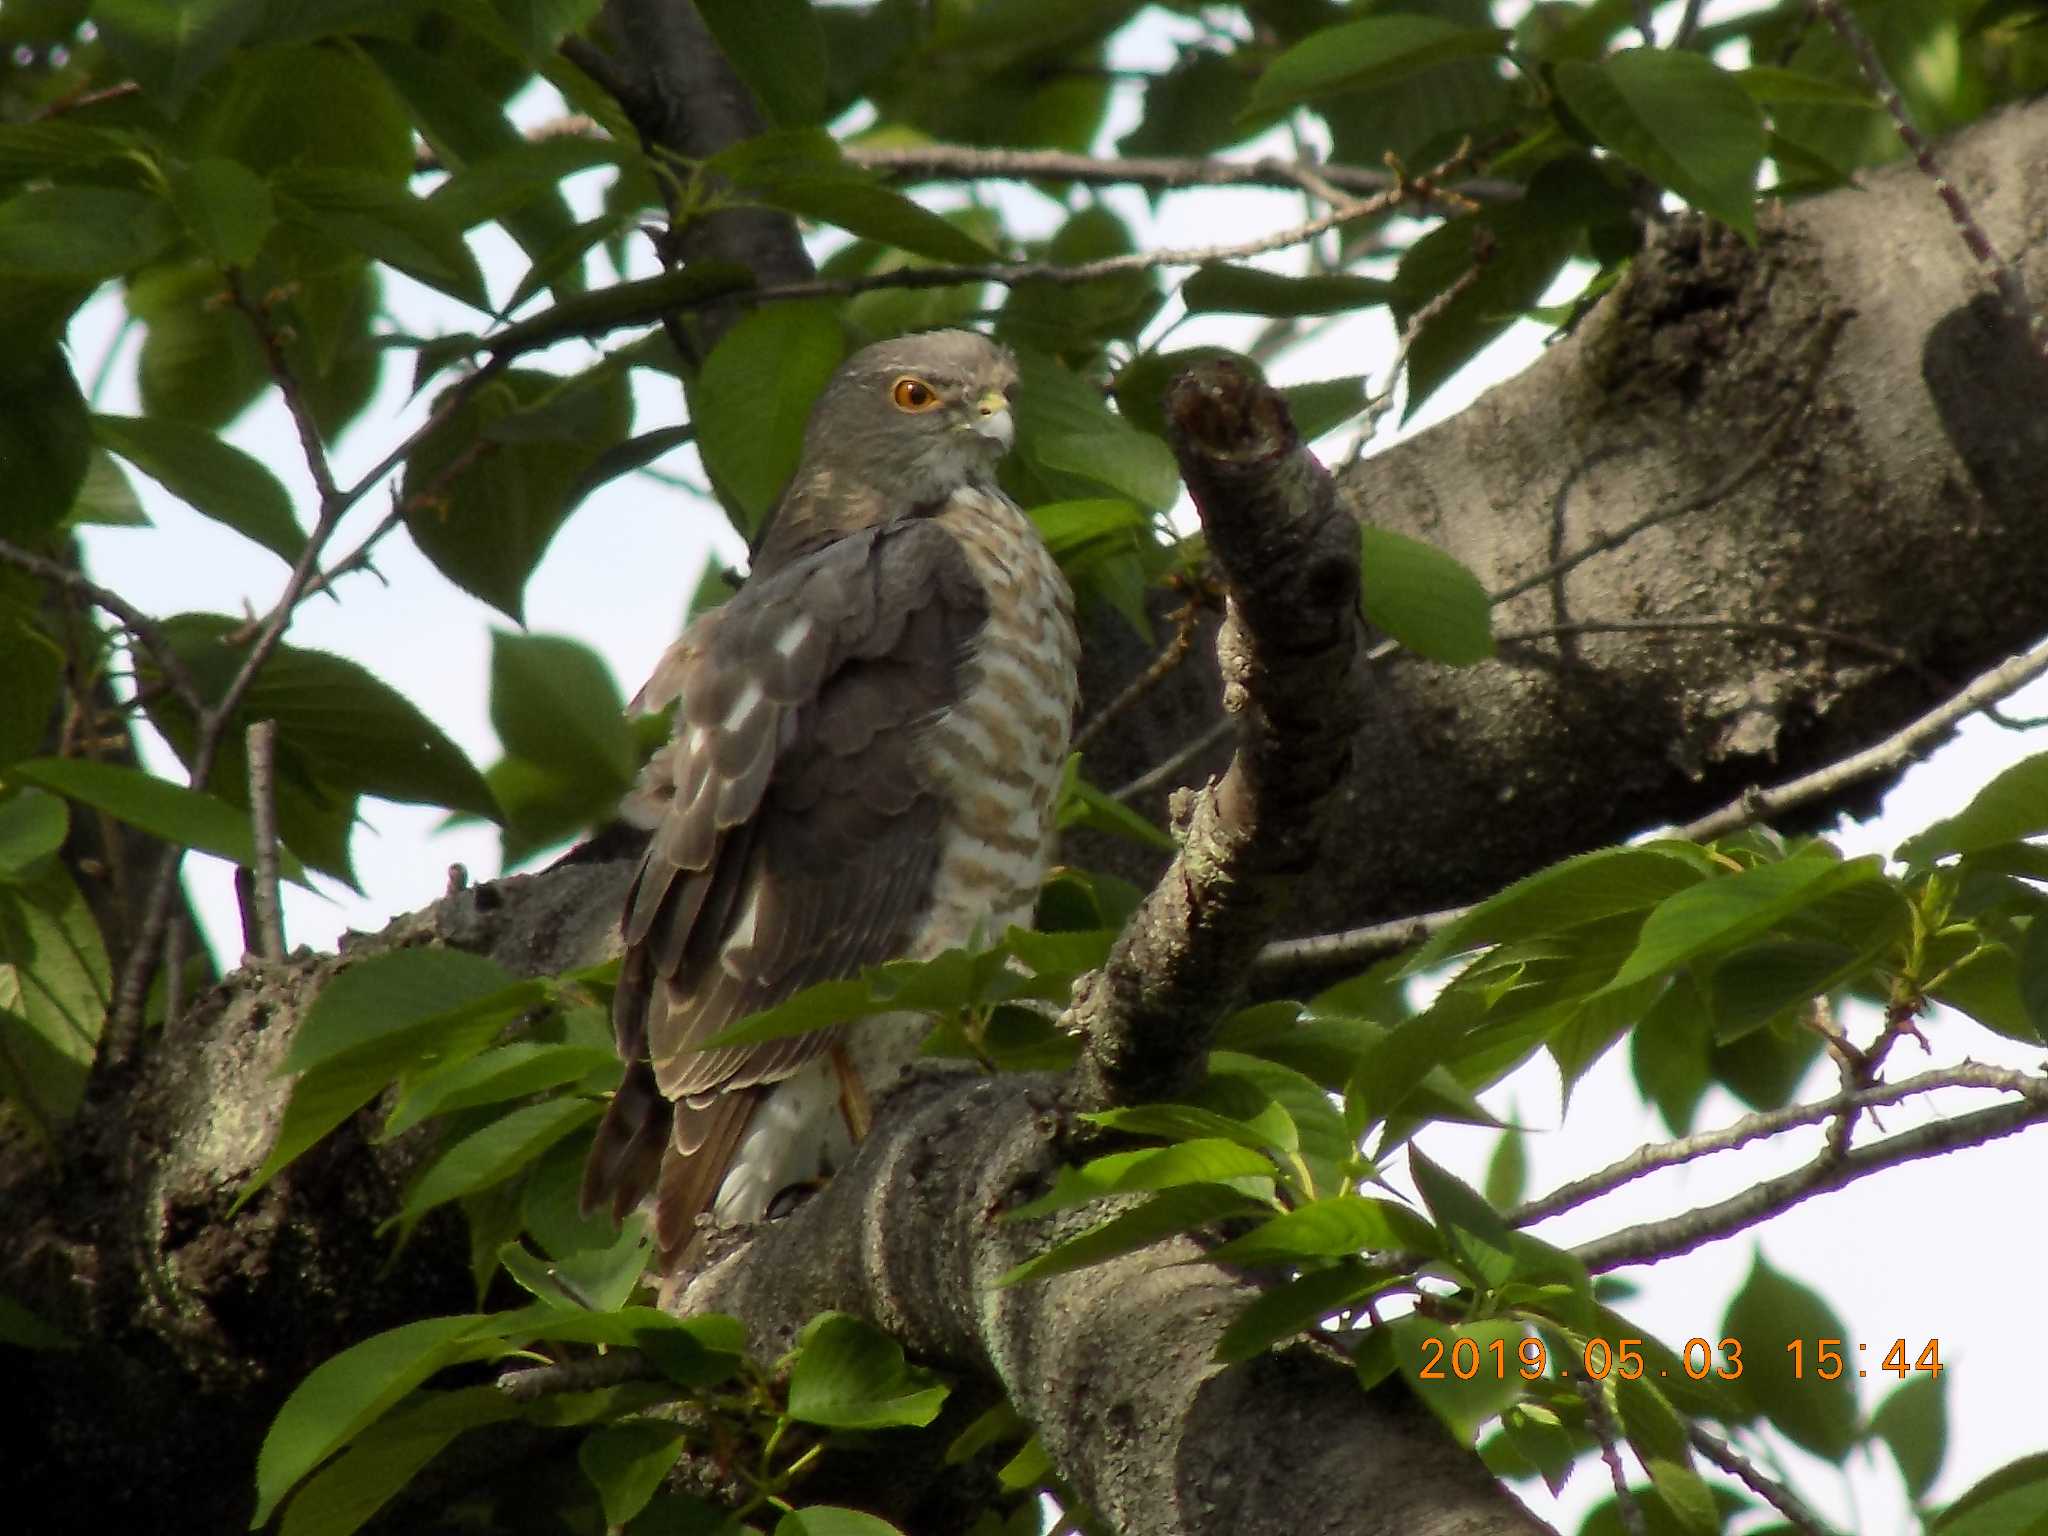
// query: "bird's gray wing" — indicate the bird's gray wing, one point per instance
point(795, 840)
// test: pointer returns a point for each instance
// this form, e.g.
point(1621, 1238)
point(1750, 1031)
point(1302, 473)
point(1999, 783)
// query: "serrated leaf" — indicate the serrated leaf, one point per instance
point(1424, 598)
point(1769, 1312)
point(832, 1520)
point(850, 1375)
point(553, 703)
point(484, 509)
point(55, 985)
point(82, 233)
point(214, 477)
point(1228, 290)
point(2013, 806)
point(105, 498)
point(508, 1072)
point(778, 49)
point(342, 1496)
point(754, 396)
point(865, 207)
point(343, 1396)
point(641, 302)
point(1768, 83)
point(1323, 405)
point(1074, 530)
point(627, 1462)
point(1913, 1424)
point(32, 827)
point(225, 206)
point(490, 1155)
point(1132, 463)
point(1680, 119)
point(376, 999)
point(1205, 1160)
point(45, 443)
point(2013, 1501)
point(171, 49)
point(368, 213)
point(1579, 890)
point(1463, 1388)
point(1330, 1228)
point(1717, 914)
point(1479, 1237)
point(188, 817)
point(1507, 1172)
point(1359, 55)
point(1295, 1306)
point(1162, 1215)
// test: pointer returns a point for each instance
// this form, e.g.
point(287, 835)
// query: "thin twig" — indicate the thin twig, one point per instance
point(1608, 1433)
point(1160, 172)
point(1894, 751)
point(2005, 277)
point(1377, 407)
point(1162, 773)
point(1711, 624)
point(269, 899)
point(588, 1375)
point(1365, 943)
point(1797, 1512)
point(139, 624)
point(1656, 1156)
point(1170, 656)
point(1654, 1241)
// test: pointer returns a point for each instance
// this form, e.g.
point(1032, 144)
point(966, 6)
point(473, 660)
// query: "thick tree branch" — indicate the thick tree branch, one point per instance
point(1113, 1365)
point(1290, 651)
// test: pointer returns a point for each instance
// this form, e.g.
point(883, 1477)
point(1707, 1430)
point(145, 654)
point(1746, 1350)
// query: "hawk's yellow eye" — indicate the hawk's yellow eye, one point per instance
point(913, 394)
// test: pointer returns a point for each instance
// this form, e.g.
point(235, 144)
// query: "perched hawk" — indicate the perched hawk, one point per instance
point(867, 743)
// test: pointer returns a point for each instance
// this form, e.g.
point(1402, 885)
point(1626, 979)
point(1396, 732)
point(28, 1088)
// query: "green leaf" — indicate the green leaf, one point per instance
point(365, 212)
point(1913, 1424)
point(1323, 405)
point(778, 49)
point(1331, 1228)
point(850, 1375)
point(627, 1462)
point(2013, 806)
point(803, 173)
point(55, 985)
point(832, 1520)
point(45, 444)
point(343, 1495)
point(485, 497)
point(1161, 1215)
point(754, 396)
point(216, 478)
point(32, 827)
point(343, 1396)
point(1580, 890)
point(553, 703)
point(1480, 1239)
point(490, 1155)
point(1507, 1171)
point(1425, 599)
point(641, 302)
point(508, 1072)
point(1133, 463)
point(1228, 290)
point(1361, 55)
point(105, 498)
point(22, 1329)
point(378, 998)
point(171, 49)
point(1768, 83)
point(1081, 804)
point(1771, 1311)
point(1074, 319)
point(188, 817)
point(1205, 1160)
point(2013, 1501)
point(1295, 1306)
point(226, 207)
point(1680, 119)
point(1718, 914)
point(86, 234)
point(1075, 530)
point(1453, 1368)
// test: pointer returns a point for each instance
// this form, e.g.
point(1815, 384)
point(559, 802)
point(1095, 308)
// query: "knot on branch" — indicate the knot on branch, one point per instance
point(1223, 410)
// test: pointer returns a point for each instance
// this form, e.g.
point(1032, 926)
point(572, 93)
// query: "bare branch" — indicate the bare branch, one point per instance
point(1685, 1149)
point(2005, 277)
point(139, 624)
point(1608, 1433)
point(1798, 1514)
point(1164, 173)
point(1656, 1240)
point(1290, 653)
point(268, 900)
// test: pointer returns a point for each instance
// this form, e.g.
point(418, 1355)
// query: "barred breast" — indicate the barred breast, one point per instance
point(1000, 749)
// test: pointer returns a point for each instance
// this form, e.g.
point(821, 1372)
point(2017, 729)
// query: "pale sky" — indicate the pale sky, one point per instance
point(1923, 1252)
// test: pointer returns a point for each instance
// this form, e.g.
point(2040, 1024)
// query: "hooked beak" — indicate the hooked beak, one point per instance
point(992, 418)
